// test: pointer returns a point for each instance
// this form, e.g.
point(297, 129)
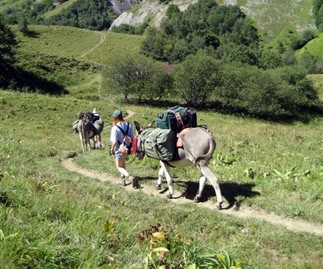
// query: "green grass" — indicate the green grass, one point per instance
point(314, 47)
point(61, 41)
point(318, 83)
point(57, 40)
point(273, 17)
point(53, 218)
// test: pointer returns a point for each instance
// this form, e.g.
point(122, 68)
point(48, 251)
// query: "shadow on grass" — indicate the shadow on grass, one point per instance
point(5, 200)
point(17, 79)
point(234, 193)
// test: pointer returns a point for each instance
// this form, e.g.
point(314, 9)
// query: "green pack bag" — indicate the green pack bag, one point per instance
point(159, 143)
point(176, 118)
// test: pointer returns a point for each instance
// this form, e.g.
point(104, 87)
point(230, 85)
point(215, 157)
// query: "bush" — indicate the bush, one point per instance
point(277, 94)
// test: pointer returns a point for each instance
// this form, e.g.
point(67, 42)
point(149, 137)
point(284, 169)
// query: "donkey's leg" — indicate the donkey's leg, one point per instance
point(161, 174)
point(160, 178)
point(87, 142)
point(96, 141)
point(100, 141)
point(168, 179)
point(201, 188)
point(82, 141)
point(214, 181)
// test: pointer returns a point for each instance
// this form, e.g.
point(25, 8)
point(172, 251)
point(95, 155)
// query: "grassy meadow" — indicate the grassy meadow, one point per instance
point(276, 18)
point(51, 217)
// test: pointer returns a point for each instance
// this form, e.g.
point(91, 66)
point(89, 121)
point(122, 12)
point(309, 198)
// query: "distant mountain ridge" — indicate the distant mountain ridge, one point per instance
point(270, 16)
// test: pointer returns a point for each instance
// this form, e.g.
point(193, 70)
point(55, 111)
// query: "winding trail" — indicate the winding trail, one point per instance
point(298, 226)
point(101, 41)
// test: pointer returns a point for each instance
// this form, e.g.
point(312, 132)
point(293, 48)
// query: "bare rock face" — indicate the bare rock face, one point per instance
point(151, 9)
point(120, 6)
point(268, 14)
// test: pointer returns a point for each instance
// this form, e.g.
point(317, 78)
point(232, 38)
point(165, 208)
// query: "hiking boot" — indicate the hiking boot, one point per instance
point(123, 179)
point(135, 182)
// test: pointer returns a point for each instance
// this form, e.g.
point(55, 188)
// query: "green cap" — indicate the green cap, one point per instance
point(117, 114)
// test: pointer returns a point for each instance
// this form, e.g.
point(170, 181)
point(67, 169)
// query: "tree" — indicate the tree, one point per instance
point(203, 25)
point(8, 44)
point(138, 76)
point(23, 25)
point(154, 45)
point(196, 77)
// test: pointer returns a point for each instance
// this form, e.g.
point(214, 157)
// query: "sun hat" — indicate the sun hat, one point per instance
point(117, 114)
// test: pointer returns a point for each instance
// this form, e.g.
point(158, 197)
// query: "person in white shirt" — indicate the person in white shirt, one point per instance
point(116, 138)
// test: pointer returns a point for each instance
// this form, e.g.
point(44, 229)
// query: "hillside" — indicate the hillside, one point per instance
point(271, 17)
point(56, 217)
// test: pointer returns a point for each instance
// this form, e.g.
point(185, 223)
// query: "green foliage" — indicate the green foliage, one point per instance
point(168, 250)
point(138, 76)
point(196, 77)
point(318, 12)
point(129, 29)
point(276, 94)
point(94, 15)
point(23, 26)
point(203, 25)
point(172, 10)
point(8, 44)
point(155, 44)
point(297, 43)
point(311, 63)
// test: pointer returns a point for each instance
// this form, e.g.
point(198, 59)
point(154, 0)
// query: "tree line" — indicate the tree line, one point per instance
point(220, 64)
point(201, 81)
point(93, 15)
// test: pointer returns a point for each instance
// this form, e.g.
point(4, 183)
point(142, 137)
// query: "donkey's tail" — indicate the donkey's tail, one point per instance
point(204, 159)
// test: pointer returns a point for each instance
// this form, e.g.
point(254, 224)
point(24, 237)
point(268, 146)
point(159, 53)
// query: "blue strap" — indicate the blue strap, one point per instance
point(123, 132)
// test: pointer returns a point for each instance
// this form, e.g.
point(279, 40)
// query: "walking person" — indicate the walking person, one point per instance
point(121, 128)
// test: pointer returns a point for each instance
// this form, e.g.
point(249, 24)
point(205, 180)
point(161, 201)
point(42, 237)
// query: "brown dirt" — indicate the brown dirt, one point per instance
point(299, 226)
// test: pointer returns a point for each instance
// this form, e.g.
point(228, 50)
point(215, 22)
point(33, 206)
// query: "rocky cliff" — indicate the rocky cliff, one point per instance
point(270, 16)
point(151, 9)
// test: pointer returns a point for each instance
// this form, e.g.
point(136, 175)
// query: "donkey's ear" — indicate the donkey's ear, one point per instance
point(138, 127)
point(151, 124)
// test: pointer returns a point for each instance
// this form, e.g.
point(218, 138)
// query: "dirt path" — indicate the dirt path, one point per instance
point(299, 226)
point(293, 225)
point(101, 41)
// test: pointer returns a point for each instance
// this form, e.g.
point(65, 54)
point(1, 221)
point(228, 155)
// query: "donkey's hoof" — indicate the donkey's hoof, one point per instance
point(219, 205)
point(158, 187)
point(196, 199)
point(169, 196)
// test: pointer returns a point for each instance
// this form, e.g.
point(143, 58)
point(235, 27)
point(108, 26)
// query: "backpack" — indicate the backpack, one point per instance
point(176, 118)
point(159, 143)
point(126, 144)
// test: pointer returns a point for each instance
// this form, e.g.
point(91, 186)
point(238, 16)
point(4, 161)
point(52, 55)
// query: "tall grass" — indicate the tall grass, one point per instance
point(70, 42)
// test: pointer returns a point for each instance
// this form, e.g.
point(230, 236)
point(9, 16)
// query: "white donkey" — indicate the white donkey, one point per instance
point(197, 149)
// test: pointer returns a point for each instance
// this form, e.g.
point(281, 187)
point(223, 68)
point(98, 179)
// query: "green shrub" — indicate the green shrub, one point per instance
point(275, 94)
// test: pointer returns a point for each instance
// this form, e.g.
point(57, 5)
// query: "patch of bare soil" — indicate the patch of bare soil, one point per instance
point(299, 226)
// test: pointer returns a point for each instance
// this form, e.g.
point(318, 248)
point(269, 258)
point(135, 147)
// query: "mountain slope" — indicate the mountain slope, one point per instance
point(270, 16)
